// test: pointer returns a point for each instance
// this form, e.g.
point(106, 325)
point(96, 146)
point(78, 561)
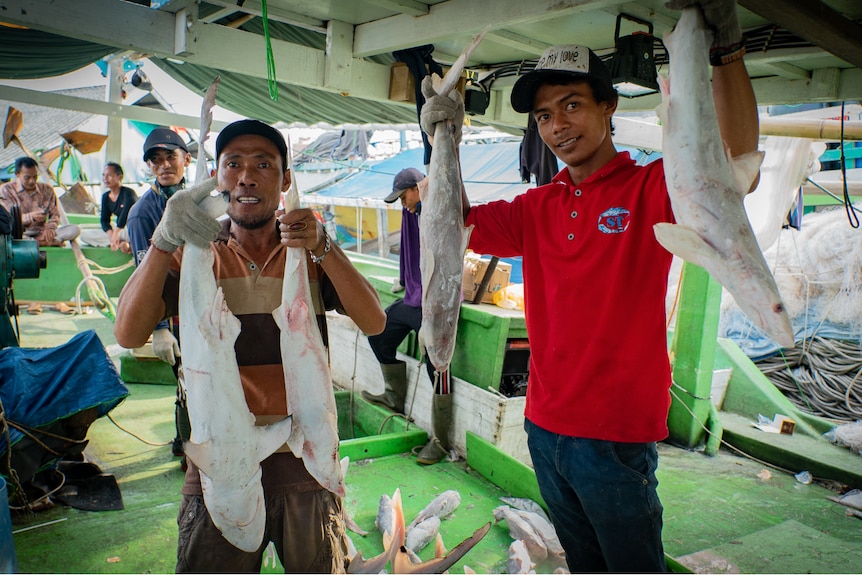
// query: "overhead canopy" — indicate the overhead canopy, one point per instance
point(332, 59)
point(490, 172)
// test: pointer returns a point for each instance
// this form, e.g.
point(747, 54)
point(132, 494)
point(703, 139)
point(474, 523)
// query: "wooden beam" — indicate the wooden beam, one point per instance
point(816, 22)
point(137, 113)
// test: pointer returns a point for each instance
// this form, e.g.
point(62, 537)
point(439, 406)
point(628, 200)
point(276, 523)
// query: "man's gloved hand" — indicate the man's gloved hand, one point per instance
point(439, 108)
point(165, 346)
point(185, 221)
point(397, 286)
point(720, 15)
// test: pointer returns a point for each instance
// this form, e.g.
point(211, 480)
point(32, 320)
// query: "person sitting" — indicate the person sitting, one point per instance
point(117, 200)
point(37, 204)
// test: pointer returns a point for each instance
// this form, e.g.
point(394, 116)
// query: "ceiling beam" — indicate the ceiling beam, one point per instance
point(143, 29)
point(517, 41)
point(136, 113)
point(151, 32)
point(466, 17)
point(274, 14)
point(816, 22)
point(409, 7)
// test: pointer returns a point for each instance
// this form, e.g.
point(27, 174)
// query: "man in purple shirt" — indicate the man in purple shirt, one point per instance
point(405, 315)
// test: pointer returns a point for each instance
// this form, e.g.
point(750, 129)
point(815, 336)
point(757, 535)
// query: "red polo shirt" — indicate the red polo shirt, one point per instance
point(595, 280)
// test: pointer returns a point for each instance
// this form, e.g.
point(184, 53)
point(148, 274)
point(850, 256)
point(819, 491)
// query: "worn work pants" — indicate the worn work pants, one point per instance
point(307, 529)
point(602, 498)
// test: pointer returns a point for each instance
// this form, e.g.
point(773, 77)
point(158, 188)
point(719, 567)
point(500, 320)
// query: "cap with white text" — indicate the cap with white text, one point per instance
point(563, 59)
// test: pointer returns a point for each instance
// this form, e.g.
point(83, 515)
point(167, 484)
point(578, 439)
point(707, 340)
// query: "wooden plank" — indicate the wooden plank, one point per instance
point(816, 22)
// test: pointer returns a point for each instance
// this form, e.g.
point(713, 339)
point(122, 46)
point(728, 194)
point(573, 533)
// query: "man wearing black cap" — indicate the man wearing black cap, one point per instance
point(595, 280)
point(167, 157)
point(304, 520)
point(405, 315)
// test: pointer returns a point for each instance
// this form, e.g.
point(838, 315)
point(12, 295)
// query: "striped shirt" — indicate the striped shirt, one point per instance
point(252, 292)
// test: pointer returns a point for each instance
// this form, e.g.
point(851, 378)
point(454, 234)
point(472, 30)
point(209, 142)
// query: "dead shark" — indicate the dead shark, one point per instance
point(442, 235)
point(707, 187)
point(307, 378)
point(225, 444)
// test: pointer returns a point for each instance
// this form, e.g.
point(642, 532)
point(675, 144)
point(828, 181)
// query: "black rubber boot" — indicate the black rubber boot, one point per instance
point(395, 387)
point(441, 420)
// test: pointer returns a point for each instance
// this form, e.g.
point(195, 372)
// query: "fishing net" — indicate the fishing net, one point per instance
point(818, 270)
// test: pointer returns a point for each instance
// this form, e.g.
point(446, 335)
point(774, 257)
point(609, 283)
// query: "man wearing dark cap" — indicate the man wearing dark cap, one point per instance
point(595, 280)
point(405, 315)
point(303, 520)
point(167, 157)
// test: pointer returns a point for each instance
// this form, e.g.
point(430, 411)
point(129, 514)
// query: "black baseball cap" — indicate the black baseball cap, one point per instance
point(251, 127)
point(404, 180)
point(163, 139)
point(565, 59)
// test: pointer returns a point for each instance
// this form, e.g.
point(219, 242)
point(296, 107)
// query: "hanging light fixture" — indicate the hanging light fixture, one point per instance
point(141, 80)
point(632, 65)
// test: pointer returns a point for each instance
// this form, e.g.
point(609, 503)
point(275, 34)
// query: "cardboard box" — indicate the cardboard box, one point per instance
point(402, 86)
point(474, 271)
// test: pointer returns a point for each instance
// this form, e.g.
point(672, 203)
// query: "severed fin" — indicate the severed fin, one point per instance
point(392, 545)
point(684, 242)
point(440, 564)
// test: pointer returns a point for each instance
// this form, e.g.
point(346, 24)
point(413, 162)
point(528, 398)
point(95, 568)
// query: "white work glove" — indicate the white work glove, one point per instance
point(185, 221)
point(165, 346)
point(439, 108)
point(720, 15)
point(397, 286)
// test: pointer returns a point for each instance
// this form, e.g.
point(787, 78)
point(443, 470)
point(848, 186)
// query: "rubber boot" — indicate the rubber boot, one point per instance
point(395, 387)
point(441, 420)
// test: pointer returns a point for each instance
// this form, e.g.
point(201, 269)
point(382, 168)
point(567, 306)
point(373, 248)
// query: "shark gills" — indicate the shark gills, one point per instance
point(442, 236)
point(307, 380)
point(707, 187)
point(225, 444)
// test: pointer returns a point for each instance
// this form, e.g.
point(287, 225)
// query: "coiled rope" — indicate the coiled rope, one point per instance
point(821, 376)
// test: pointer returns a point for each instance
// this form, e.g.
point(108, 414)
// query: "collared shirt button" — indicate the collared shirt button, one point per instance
point(571, 236)
point(575, 214)
point(578, 192)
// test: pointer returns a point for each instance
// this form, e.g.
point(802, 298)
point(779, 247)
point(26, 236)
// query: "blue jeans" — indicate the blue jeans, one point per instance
point(602, 499)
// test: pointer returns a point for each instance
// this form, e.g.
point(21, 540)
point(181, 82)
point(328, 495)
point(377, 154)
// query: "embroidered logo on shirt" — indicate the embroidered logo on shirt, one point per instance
point(614, 221)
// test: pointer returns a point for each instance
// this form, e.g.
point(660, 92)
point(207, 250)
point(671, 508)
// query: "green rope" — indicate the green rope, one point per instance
point(270, 60)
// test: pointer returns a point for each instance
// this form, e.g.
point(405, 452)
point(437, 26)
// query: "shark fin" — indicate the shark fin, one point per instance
point(745, 169)
point(685, 243)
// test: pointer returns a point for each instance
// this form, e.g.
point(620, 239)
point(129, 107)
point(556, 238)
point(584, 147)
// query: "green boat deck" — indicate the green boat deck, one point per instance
point(722, 514)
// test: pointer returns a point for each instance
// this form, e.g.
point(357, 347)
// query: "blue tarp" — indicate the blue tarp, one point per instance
point(490, 172)
point(40, 386)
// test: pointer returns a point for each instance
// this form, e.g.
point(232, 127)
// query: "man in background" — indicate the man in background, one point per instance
point(117, 201)
point(167, 157)
point(405, 315)
point(37, 204)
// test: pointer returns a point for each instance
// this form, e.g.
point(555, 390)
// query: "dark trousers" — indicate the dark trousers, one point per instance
point(401, 319)
point(602, 499)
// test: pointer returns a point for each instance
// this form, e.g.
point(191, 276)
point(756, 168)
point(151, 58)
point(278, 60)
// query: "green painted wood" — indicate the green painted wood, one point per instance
point(60, 278)
point(134, 370)
point(382, 445)
point(750, 393)
point(795, 453)
point(483, 331)
point(502, 469)
point(693, 353)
